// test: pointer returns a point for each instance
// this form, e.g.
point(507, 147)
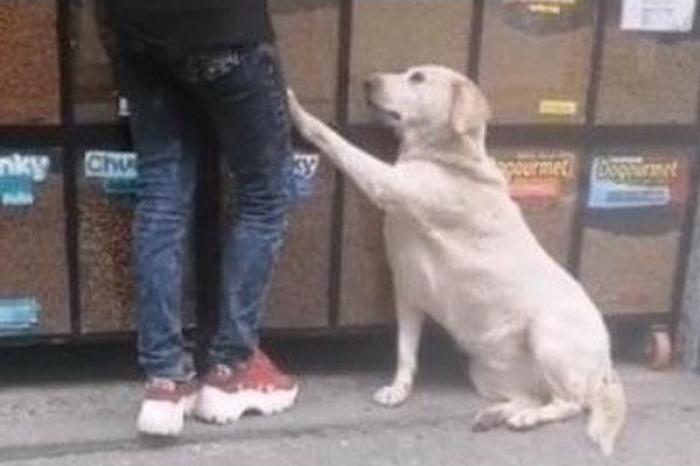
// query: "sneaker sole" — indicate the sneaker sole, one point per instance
point(165, 418)
point(218, 407)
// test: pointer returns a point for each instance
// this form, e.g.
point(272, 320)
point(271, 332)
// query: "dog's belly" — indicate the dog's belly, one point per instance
point(459, 286)
point(482, 290)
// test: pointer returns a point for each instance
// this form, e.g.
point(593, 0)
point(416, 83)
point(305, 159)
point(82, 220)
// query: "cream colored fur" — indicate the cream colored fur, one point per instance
point(461, 252)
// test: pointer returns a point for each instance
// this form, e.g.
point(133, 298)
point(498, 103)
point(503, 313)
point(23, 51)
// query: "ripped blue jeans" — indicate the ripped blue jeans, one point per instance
point(240, 93)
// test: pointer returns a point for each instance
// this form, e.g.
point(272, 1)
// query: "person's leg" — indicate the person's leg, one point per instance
point(255, 138)
point(246, 100)
point(166, 142)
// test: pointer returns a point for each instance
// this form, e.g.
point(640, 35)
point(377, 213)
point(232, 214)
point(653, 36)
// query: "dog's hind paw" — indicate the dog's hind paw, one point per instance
point(392, 395)
point(487, 419)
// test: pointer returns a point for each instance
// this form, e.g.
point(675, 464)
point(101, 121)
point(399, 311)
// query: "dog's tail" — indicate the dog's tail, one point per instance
point(608, 407)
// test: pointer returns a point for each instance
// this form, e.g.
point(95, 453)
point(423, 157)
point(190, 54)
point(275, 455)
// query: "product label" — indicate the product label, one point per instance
point(19, 316)
point(16, 191)
point(305, 168)
point(18, 175)
point(117, 170)
point(306, 164)
point(558, 107)
point(658, 15)
point(542, 6)
point(539, 175)
point(546, 16)
point(636, 182)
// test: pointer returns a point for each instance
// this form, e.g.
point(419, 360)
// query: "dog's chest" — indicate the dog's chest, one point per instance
point(411, 256)
point(426, 263)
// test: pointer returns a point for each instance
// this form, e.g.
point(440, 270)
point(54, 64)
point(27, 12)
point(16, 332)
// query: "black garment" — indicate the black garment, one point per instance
point(181, 26)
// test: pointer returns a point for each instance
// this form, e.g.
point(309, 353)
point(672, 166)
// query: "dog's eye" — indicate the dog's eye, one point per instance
point(417, 78)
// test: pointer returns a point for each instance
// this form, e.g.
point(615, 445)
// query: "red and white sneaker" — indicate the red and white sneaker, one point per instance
point(257, 385)
point(165, 406)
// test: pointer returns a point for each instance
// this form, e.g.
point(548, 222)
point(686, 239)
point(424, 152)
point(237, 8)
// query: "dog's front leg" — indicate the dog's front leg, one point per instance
point(377, 179)
point(410, 325)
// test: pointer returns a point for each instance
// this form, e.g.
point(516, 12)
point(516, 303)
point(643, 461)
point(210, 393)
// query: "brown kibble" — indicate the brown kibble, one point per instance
point(544, 182)
point(94, 94)
point(390, 36)
point(310, 71)
point(106, 261)
point(647, 78)
point(32, 248)
point(629, 256)
point(531, 76)
point(106, 248)
point(366, 292)
point(29, 71)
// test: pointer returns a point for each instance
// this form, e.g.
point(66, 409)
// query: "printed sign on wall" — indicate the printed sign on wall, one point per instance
point(658, 15)
point(19, 173)
point(117, 170)
point(539, 176)
point(637, 182)
point(19, 316)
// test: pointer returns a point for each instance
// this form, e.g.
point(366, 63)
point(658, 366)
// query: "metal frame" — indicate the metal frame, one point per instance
point(586, 136)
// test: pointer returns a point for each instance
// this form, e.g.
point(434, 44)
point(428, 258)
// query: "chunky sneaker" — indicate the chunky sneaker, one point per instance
point(256, 385)
point(166, 405)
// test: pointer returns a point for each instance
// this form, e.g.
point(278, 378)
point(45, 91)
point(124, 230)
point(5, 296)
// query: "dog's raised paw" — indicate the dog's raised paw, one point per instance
point(392, 395)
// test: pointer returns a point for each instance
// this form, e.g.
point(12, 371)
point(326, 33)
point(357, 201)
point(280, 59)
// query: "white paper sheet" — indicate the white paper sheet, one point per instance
point(658, 15)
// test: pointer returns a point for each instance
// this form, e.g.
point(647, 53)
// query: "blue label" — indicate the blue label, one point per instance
point(120, 187)
point(117, 170)
point(16, 191)
point(20, 172)
point(303, 174)
point(631, 182)
point(19, 316)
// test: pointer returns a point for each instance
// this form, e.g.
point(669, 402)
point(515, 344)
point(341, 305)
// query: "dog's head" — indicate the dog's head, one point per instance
point(428, 98)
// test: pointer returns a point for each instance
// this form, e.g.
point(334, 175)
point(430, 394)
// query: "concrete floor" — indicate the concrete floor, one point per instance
point(77, 406)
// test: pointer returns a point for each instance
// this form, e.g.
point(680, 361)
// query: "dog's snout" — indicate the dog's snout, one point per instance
point(372, 83)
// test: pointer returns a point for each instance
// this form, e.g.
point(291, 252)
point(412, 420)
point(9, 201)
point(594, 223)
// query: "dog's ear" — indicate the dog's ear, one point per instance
point(469, 107)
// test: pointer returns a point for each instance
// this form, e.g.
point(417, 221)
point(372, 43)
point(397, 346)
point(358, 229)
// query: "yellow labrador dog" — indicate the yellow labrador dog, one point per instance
point(461, 252)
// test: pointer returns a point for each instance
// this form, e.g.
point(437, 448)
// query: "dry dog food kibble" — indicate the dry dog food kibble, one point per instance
point(647, 77)
point(106, 203)
point(366, 293)
point(635, 213)
point(106, 213)
point(94, 94)
point(29, 71)
point(312, 71)
point(33, 268)
point(389, 35)
point(535, 61)
point(299, 293)
point(544, 183)
point(307, 36)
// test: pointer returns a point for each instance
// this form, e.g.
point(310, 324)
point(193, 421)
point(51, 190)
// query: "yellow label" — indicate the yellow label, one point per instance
point(558, 107)
point(545, 9)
